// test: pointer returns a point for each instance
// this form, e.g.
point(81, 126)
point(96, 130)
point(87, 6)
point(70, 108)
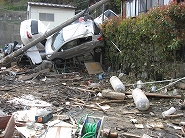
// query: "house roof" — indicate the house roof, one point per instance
point(50, 5)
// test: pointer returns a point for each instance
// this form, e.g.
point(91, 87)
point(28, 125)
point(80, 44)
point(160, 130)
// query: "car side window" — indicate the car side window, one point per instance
point(75, 42)
point(69, 45)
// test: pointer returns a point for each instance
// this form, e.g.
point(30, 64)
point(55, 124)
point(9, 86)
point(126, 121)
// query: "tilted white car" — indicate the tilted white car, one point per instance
point(30, 30)
point(73, 40)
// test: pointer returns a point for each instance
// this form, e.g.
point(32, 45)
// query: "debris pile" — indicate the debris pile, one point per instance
point(40, 102)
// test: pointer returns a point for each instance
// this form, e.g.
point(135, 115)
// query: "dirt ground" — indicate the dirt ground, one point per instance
point(70, 94)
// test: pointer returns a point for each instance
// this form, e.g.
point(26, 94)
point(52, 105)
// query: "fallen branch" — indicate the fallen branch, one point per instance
point(83, 90)
point(89, 106)
point(34, 75)
point(77, 100)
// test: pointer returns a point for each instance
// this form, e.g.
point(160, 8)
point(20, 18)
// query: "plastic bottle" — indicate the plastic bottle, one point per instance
point(117, 84)
point(140, 99)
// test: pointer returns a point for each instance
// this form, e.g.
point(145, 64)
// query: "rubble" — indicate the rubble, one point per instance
point(69, 95)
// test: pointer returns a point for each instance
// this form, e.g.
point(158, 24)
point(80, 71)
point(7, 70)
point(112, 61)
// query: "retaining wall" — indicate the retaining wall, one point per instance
point(10, 26)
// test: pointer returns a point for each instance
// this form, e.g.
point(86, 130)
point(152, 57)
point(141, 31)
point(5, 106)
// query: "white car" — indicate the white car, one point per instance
point(108, 14)
point(30, 30)
point(76, 39)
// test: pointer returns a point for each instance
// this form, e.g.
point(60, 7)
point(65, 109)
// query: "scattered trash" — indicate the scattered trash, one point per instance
point(155, 124)
point(146, 136)
point(140, 99)
point(93, 84)
point(153, 89)
point(139, 84)
point(168, 112)
point(108, 134)
point(174, 126)
point(29, 100)
point(175, 92)
point(139, 126)
point(100, 76)
point(133, 121)
point(109, 69)
point(43, 116)
point(121, 75)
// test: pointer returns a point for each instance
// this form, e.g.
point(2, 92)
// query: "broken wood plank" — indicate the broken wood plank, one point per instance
point(113, 95)
point(174, 116)
point(34, 75)
point(77, 100)
point(88, 106)
point(101, 108)
point(129, 135)
point(83, 90)
point(112, 101)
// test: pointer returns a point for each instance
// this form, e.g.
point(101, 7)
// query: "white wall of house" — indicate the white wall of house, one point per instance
point(57, 15)
point(136, 7)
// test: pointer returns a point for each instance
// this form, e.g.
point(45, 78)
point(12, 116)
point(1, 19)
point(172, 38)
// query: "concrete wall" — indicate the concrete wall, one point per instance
point(9, 26)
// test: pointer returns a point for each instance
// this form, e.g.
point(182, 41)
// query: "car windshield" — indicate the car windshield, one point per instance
point(58, 40)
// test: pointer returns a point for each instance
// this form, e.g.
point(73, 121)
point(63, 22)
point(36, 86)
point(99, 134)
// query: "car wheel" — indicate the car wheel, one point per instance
point(62, 65)
point(58, 63)
point(98, 50)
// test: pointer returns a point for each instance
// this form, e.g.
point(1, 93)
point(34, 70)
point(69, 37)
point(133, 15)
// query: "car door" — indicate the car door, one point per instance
point(75, 47)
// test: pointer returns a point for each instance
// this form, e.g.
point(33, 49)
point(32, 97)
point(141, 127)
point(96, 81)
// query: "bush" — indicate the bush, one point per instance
point(149, 42)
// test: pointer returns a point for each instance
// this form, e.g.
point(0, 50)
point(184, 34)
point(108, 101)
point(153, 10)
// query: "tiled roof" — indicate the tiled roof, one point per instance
point(50, 5)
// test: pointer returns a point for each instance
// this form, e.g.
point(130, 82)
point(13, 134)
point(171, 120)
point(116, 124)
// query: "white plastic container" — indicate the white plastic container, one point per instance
point(140, 99)
point(117, 85)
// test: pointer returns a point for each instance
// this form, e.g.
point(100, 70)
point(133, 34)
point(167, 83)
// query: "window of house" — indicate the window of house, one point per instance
point(152, 3)
point(46, 17)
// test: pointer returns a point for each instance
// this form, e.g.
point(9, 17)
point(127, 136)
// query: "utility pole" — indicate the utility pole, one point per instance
point(20, 51)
